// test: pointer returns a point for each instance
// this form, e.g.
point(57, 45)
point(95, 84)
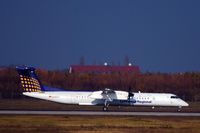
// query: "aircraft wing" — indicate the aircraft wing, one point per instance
point(106, 94)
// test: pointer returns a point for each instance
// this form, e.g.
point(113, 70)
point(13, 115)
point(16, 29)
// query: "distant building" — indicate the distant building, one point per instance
point(103, 69)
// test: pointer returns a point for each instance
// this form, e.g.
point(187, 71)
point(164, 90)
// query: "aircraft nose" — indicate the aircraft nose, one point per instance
point(184, 103)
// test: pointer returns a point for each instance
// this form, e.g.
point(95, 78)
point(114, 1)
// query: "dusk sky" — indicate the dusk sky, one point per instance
point(156, 35)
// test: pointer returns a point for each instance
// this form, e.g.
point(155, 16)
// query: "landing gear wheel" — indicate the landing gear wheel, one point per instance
point(105, 108)
point(179, 109)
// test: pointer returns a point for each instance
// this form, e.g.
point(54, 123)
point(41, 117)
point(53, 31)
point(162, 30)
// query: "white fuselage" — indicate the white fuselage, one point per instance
point(120, 98)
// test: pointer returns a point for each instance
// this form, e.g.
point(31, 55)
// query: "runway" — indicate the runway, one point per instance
point(93, 113)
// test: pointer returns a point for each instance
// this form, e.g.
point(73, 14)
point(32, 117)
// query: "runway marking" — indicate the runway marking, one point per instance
point(9, 112)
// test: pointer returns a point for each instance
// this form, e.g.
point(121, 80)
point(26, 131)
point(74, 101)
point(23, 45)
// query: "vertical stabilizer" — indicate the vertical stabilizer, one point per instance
point(29, 80)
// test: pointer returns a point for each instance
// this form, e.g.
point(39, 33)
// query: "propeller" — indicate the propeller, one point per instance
point(130, 94)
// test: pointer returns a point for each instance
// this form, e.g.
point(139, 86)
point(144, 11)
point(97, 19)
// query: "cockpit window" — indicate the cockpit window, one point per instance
point(174, 97)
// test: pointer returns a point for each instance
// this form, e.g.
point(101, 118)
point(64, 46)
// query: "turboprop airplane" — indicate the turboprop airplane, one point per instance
point(32, 87)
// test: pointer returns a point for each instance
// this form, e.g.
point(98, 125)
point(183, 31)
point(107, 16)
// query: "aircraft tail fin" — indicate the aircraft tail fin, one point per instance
point(29, 80)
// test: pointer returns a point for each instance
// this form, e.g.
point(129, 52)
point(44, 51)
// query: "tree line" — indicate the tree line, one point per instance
point(186, 85)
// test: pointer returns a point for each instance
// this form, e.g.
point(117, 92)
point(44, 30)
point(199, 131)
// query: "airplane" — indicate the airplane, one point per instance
point(32, 87)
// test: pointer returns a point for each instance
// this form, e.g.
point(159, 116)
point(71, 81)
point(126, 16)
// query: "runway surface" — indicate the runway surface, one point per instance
point(9, 112)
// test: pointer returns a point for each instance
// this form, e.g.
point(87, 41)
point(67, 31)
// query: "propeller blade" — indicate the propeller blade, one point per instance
point(130, 94)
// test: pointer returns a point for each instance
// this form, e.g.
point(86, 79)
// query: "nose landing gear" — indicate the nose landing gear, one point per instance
point(179, 108)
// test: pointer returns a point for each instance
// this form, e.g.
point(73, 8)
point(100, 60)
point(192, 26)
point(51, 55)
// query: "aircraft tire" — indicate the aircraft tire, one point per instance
point(105, 108)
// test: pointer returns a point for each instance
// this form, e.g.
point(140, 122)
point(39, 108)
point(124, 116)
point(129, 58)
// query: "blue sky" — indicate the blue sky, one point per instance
point(158, 36)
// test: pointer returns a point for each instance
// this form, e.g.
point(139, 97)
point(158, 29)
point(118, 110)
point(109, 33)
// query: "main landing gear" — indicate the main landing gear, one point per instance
point(105, 107)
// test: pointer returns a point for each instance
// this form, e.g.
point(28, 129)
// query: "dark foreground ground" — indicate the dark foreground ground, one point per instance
point(36, 104)
point(93, 124)
point(97, 124)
